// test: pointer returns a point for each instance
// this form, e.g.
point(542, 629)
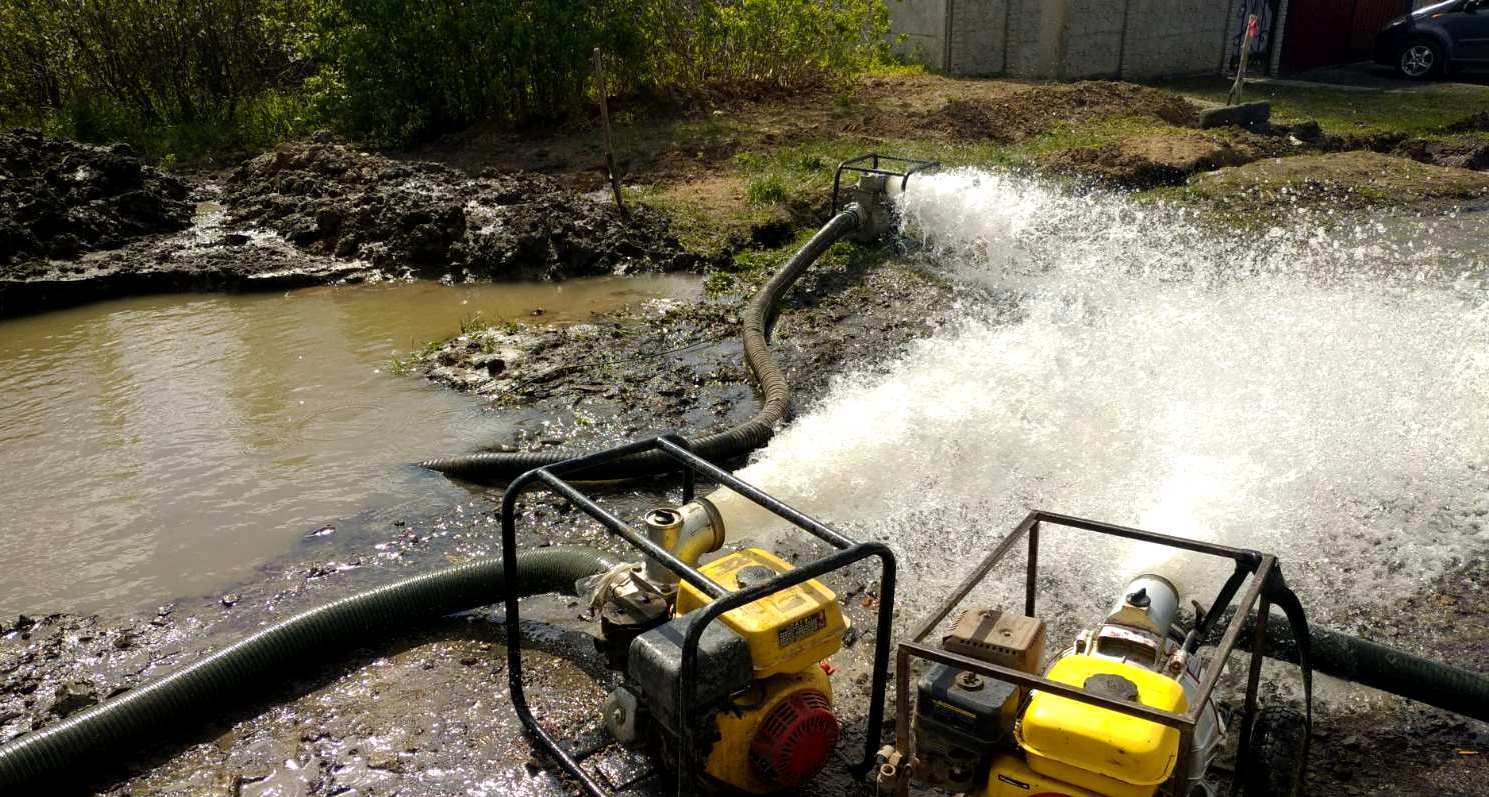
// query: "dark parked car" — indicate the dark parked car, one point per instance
point(1434, 40)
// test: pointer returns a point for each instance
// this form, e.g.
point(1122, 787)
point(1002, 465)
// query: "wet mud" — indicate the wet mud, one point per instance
point(681, 368)
point(62, 199)
point(306, 213)
point(1039, 109)
point(423, 219)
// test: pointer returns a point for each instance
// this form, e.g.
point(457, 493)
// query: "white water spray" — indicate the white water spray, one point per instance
point(1318, 394)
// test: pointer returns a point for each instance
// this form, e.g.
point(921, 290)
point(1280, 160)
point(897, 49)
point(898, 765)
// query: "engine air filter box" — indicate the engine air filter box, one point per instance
point(1097, 748)
point(1010, 640)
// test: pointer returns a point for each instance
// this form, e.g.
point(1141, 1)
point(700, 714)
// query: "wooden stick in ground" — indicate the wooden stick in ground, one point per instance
point(1235, 89)
point(605, 122)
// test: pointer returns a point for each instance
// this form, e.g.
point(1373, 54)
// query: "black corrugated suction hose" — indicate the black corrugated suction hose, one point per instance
point(1376, 666)
point(759, 318)
point(73, 747)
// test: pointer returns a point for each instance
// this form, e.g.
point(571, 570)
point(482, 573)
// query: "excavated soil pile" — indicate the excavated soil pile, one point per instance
point(432, 220)
point(1459, 153)
point(1031, 112)
point(1274, 186)
point(1475, 123)
point(1150, 161)
point(59, 198)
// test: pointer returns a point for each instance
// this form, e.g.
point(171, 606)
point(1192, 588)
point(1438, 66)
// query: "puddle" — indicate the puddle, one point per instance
point(162, 446)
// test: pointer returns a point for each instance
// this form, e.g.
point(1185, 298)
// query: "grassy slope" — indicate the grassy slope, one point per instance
point(765, 175)
point(1421, 111)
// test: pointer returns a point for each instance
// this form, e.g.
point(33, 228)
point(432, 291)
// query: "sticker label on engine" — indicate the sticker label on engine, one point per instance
point(1010, 781)
point(797, 630)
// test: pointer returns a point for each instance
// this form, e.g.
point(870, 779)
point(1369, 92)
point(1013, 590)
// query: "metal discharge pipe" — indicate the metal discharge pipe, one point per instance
point(38, 762)
point(759, 319)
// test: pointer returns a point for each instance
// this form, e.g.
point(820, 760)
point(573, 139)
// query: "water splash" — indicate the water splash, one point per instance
point(1315, 390)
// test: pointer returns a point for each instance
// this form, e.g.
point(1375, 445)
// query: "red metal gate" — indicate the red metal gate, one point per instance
point(1326, 32)
point(1370, 17)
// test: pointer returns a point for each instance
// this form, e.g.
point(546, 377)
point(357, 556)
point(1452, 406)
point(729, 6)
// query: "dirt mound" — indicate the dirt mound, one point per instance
point(1475, 123)
point(1460, 153)
point(1031, 112)
point(59, 198)
point(431, 220)
point(1148, 161)
point(1346, 179)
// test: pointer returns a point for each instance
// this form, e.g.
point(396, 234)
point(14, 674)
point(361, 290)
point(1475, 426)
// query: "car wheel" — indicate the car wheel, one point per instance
point(1419, 60)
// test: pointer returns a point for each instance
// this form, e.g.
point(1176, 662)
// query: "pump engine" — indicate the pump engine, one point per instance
point(1126, 709)
point(723, 666)
point(988, 737)
point(762, 709)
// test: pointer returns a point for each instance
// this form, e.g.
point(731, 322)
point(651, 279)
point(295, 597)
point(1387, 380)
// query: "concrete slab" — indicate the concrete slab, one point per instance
point(1250, 115)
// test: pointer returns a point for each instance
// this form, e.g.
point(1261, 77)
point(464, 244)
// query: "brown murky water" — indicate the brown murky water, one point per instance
point(163, 446)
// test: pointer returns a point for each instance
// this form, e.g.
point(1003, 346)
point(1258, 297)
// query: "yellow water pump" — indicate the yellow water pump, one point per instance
point(1127, 709)
point(763, 702)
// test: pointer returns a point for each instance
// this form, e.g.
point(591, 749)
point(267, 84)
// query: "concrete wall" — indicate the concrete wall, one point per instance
point(1035, 34)
point(1171, 37)
point(977, 32)
point(1069, 39)
point(1093, 38)
point(922, 26)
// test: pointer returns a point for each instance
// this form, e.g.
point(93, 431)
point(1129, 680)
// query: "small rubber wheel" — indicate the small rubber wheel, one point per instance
point(1420, 59)
point(1277, 755)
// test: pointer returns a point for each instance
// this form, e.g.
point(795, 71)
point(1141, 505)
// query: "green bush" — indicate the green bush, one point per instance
point(781, 43)
point(188, 72)
point(395, 71)
point(187, 75)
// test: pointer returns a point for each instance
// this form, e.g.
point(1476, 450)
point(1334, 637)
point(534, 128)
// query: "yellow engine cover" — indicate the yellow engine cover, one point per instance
point(786, 632)
point(729, 760)
point(1011, 777)
point(1095, 748)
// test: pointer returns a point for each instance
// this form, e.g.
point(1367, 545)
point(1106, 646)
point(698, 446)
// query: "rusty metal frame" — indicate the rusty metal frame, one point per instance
point(879, 165)
point(1260, 567)
point(846, 552)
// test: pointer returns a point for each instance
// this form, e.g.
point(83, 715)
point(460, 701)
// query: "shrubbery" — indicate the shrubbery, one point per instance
point(394, 71)
point(222, 71)
point(186, 75)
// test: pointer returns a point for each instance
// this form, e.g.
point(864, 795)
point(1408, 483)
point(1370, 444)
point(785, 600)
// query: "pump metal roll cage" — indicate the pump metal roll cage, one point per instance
point(1262, 569)
point(691, 467)
point(877, 165)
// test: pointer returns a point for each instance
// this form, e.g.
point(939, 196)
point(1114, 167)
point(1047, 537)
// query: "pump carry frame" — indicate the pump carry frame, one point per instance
point(691, 467)
point(1263, 587)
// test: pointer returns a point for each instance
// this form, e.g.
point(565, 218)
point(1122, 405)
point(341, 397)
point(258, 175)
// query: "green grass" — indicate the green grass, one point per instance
point(401, 366)
point(799, 175)
point(699, 229)
point(257, 124)
point(1422, 111)
point(804, 171)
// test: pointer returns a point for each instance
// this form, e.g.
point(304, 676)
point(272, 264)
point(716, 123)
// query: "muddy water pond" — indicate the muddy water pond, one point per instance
point(164, 446)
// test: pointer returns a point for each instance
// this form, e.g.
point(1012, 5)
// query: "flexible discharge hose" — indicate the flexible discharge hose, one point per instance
point(759, 318)
point(208, 687)
point(1376, 666)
